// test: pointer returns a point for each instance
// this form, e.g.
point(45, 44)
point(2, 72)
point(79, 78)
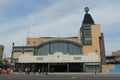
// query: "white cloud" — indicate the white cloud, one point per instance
point(107, 16)
point(4, 2)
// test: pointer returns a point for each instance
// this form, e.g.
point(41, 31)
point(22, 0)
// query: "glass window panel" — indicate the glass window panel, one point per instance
point(63, 47)
point(60, 46)
point(73, 49)
point(87, 33)
point(39, 51)
point(44, 50)
point(88, 41)
point(54, 47)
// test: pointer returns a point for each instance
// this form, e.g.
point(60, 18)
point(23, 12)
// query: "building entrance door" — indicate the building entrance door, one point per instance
point(58, 67)
point(76, 67)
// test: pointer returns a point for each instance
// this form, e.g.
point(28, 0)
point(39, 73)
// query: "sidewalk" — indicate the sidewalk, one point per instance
point(66, 73)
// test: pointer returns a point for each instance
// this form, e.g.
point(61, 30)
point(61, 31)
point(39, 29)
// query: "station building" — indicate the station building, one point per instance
point(112, 63)
point(114, 58)
point(84, 53)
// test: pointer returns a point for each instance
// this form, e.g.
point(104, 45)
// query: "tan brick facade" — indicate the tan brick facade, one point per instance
point(95, 47)
point(38, 41)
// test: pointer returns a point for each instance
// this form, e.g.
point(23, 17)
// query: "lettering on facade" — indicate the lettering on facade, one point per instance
point(39, 58)
point(77, 58)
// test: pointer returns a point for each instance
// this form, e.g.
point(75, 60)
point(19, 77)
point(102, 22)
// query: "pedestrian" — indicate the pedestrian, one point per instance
point(95, 72)
point(26, 70)
point(19, 70)
point(39, 70)
point(34, 71)
point(43, 70)
point(46, 71)
point(52, 69)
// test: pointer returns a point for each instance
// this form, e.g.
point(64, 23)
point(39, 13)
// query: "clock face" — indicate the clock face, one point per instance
point(86, 9)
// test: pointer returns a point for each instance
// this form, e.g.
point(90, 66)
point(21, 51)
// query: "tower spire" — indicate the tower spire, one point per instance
point(87, 18)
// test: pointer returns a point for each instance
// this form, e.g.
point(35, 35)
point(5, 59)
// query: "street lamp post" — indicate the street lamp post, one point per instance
point(12, 52)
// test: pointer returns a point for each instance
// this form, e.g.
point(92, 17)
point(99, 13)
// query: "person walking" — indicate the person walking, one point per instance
point(34, 70)
point(26, 70)
point(19, 70)
point(39, 70)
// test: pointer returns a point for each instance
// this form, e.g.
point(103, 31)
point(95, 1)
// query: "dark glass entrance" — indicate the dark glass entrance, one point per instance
point(58, 67)
point(52, 67)
point(76, 67)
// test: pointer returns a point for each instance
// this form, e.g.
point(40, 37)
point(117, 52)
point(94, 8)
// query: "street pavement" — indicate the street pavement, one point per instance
point(60, 76)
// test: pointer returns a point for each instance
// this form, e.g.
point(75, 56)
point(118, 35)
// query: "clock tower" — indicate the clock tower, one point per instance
point(85, 31)
point(91, 37)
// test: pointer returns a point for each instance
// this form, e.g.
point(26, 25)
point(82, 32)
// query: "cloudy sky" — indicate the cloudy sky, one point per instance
point(56, 18)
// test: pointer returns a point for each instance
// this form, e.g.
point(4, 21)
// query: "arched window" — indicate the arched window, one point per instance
point(63, 46)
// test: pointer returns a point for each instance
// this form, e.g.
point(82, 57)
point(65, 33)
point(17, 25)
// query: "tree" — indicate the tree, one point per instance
point(5, 64)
